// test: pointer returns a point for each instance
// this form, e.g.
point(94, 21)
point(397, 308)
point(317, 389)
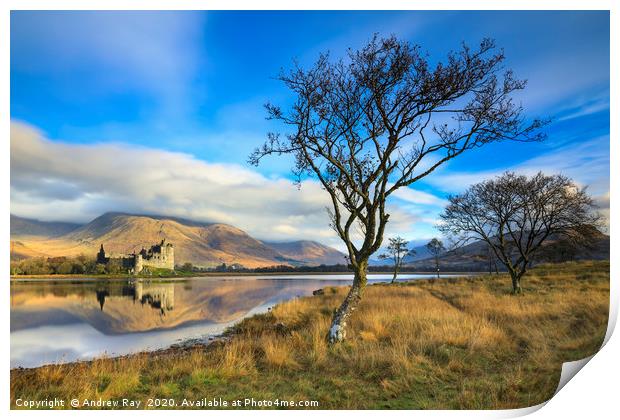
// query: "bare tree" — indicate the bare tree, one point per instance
point(515, 214)
point(566, 248)
point(397, 250)
point(381, 119)
point(436, 248)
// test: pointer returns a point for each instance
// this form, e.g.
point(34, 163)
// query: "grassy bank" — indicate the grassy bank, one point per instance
point(451, 343)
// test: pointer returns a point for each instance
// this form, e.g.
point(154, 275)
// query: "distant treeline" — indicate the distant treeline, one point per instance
point(236, 268)
point(65, 265)
point(336, 268)
point(87, 265)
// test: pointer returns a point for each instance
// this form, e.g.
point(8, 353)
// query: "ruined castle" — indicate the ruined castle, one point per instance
point(157, 256)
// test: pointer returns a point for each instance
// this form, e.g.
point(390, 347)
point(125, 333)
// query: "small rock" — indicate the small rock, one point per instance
point(318, 292)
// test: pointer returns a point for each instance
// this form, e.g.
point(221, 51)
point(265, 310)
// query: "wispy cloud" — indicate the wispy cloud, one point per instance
point(587, 163)
point(114, 52)
point(585, 106)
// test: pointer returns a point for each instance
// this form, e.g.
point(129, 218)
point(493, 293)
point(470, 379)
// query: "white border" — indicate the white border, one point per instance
point(593, 394)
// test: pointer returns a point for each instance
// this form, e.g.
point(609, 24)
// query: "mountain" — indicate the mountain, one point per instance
point(198, 243)
point(23, 227)
point(202, 244)
point(308, 252)
point(475, 256)
point(421, 253)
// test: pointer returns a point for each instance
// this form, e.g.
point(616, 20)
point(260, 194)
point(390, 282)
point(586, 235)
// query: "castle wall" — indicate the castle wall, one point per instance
point(162, 259)
point(158, 256)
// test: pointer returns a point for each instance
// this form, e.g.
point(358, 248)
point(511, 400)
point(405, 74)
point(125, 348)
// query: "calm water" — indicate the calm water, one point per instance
point(76, 319)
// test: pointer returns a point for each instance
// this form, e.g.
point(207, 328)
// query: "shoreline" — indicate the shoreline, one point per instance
point(88, 277)
point(172, 350)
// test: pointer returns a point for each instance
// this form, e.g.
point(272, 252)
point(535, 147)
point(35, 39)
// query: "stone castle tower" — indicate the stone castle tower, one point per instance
point(157, 256)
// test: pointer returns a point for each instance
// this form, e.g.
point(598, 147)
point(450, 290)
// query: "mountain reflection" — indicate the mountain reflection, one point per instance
point(120, 307)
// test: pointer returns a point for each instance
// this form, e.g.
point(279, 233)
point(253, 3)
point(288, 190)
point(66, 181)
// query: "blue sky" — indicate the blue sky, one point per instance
point(188, 87)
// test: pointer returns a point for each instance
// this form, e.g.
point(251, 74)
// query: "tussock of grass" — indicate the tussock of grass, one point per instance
point(442, 344)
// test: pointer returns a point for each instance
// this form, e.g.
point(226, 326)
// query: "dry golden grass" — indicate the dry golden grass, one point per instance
point(452, 343)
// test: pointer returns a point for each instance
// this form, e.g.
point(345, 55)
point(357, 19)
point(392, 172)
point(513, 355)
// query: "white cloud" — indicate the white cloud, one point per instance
point(75, 182)
point(411, 195)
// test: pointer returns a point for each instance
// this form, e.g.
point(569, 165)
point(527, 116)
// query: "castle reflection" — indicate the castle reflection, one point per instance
point(157, 296)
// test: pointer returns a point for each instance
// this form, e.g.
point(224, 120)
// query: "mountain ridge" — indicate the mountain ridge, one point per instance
point(24, 226)
point(319, 253)
point(200, 243)
point(476, 256)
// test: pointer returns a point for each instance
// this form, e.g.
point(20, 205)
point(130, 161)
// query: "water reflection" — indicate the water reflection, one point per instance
point(69, 320)
point(158, 296)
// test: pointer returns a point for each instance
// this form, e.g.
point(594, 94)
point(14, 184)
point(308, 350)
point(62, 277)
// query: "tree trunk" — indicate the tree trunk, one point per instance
point(516, 283)
point(395, 275)
point(337, 330)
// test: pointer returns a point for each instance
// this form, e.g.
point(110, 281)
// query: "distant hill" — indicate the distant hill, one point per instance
point(421, 253)
point(202, 244)
point(19, 251)
point(475, 256)
point(308, 252)
point(23, 227)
